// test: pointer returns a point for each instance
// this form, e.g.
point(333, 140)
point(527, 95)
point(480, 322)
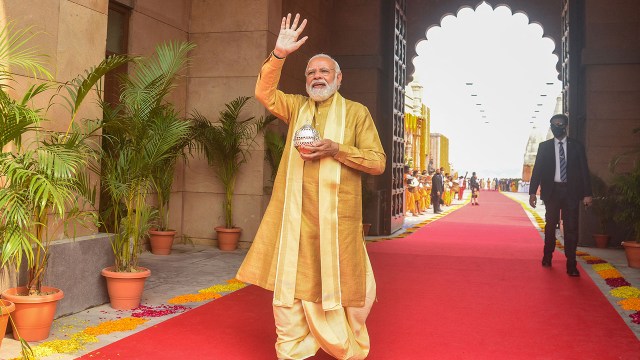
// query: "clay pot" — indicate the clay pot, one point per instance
point(34, 314)
point(6, 308)
point(601, 240)
point(228, 238)
point(125, 288)
point(161, 241)
point(632, 250)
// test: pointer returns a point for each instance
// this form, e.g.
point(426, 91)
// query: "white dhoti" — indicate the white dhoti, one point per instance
point(305, 327)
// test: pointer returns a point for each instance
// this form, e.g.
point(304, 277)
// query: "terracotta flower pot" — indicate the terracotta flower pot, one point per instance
point(228, 238)
point(601, 240)
point(34, 314)
point(161, 241)
point(632, 250)
point(6, 308)
point(125, 288)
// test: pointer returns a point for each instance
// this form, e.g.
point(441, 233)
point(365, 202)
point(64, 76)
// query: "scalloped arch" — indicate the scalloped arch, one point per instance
point(469, 5)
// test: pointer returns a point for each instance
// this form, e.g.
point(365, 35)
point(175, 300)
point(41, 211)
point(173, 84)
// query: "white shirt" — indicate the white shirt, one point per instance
point(556, 142)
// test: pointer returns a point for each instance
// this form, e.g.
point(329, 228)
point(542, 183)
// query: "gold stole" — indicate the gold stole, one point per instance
point(329, 184)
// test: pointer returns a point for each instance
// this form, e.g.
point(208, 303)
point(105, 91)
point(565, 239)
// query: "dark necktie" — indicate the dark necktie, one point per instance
point(563, 164)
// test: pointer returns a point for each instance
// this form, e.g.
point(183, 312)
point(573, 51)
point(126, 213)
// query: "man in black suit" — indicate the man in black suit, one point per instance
point(437, 189)
point(562, 173)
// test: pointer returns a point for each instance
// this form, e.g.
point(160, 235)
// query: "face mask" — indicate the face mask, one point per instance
point(558, 131)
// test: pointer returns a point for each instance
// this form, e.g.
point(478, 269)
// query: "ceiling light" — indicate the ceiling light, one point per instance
point(543, 95)
point(474, 94)
point(469, 83)
point(478, 104)
point(539, 104)
point(550, 83)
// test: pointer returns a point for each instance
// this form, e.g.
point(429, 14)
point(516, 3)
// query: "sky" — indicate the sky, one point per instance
point(509, 66)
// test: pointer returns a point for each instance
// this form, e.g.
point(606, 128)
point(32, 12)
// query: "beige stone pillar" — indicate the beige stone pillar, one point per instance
point(233, 38)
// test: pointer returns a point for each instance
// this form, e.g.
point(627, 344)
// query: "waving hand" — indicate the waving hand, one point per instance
point(288, 38)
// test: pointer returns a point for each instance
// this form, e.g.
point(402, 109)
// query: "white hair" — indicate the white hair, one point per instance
point(337, 66)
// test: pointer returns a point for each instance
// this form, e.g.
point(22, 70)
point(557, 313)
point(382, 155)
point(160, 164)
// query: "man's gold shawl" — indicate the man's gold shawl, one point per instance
point(288, 255)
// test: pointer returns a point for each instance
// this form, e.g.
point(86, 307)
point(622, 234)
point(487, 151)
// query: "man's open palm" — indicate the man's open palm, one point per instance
point(288, 38)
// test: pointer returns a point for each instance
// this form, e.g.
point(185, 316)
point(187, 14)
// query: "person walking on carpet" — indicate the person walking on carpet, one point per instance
point(475, 188)
point(437, 189)
point(309, 249)
point(562, 173)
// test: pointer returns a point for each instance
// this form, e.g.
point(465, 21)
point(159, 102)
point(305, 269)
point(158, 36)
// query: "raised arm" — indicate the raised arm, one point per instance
point(267, 85)
point(288, 41)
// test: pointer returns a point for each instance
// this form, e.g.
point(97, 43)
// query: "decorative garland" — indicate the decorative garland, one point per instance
point(77, 341)
point(620, 287)
point(419, 225)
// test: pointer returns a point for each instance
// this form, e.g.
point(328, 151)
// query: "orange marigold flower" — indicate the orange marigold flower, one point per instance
point(189, 298)
point(630, 304)
point(609, 273)
point(108, 327)
point(588, 257)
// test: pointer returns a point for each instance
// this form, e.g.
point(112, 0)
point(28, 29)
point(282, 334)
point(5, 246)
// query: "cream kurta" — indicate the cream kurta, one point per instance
point(360, 152)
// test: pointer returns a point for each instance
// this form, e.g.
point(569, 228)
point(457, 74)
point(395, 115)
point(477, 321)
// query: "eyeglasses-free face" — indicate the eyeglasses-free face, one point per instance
point(324, 72)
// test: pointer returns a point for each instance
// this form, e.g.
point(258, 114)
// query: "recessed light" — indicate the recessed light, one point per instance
point(478, 104)
point(550, 83)
point(533, 117)
point(486, 122)
point(530, 122)
point(484, 116)
point(537, 111)
point(474, 94)
point(469, 83)
point(481, 110)
point(539, 104)
point(543, 95)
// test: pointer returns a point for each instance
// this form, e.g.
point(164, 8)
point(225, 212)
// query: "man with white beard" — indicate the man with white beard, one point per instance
point(309, 249)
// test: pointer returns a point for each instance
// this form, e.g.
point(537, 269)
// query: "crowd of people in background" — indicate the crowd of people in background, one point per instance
point(421, 193)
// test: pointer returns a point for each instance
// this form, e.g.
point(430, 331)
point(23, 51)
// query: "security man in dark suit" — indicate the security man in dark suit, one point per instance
point(437, 189)
point(562, 173)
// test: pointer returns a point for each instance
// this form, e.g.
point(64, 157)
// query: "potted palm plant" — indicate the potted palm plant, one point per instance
point(45, 182)
point(226, 148)
point(628, 200)
point(141, 136)
point(161, 237)
point(628, 211)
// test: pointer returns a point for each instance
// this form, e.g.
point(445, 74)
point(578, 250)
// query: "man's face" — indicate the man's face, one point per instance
point(558, 128)
point(322, 81)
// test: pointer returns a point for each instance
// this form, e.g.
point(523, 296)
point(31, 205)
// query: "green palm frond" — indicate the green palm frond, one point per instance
point(15, 52)
point(78, 88)
point(142, 138)
point(227, 145)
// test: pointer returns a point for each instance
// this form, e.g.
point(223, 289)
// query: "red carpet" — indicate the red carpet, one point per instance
point(468, 286)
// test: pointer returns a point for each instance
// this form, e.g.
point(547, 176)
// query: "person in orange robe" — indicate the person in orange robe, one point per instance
point(309, 248)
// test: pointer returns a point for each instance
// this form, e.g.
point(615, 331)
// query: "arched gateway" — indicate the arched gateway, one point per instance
point(597, 42)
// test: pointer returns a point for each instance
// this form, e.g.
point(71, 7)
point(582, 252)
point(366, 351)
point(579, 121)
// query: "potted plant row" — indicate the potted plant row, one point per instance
point(45, 185)
point(226, 145)
point(142, 137)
